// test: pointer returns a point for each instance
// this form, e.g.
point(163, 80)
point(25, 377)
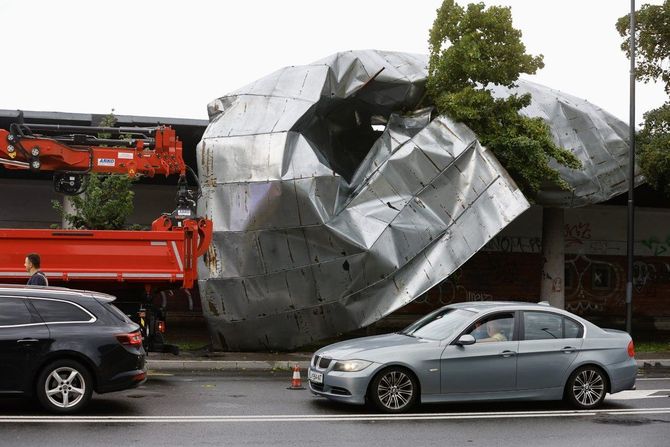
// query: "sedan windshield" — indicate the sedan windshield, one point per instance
point(440, 324)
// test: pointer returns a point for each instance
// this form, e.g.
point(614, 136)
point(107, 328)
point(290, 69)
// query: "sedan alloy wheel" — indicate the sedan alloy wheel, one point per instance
point(394, 390)
point(586, 387)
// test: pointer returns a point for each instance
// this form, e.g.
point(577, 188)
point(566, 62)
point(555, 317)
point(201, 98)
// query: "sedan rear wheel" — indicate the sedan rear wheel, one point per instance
point(394, 390)
point(64, 386)
point(586, 387)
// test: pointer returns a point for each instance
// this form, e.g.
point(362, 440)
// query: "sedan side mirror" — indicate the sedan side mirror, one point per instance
point(466, 339)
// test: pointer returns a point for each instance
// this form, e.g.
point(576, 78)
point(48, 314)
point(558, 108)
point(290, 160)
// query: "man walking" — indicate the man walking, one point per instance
point(37, 277)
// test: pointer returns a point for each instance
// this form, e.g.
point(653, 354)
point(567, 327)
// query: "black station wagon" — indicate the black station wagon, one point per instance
point(60, 345)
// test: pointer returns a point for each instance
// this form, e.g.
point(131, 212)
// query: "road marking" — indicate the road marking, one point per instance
point(652, 378)
point(327, 418)
point(638, 394)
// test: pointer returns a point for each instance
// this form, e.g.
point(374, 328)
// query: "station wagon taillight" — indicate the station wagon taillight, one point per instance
point(631, 349)
point(131, 339)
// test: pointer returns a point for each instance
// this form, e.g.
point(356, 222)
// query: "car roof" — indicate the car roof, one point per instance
point(484, 306)
point(53, 292)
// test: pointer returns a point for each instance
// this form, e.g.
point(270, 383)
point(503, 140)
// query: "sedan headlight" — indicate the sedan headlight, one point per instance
point(351, 365)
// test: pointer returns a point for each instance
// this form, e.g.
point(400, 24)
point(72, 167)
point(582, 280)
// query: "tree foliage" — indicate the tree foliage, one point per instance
point(652, 35)
point(653, 148)
point(106, 204)
point(472, 48)
point(107, 201)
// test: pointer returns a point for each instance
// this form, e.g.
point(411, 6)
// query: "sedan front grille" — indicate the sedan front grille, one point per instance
point(324, 362)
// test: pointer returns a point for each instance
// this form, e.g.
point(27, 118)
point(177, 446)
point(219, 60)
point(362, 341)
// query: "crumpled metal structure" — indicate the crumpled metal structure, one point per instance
point(596, 137)
point(336, 202)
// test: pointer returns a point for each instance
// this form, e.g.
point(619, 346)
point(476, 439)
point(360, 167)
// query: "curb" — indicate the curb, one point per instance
point(287, 365)
point(224, 365)
point(653, 363)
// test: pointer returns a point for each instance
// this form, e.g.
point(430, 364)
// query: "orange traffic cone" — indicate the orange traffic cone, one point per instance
point(296, 381)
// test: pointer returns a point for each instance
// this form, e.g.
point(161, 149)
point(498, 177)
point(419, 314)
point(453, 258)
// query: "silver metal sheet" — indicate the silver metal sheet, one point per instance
point(596, 137)
point(324, 225)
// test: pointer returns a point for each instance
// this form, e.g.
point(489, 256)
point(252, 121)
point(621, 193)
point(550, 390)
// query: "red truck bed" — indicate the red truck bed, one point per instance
point(164, 254)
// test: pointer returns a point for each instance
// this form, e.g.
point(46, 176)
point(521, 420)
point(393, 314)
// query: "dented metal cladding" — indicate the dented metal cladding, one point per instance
point(323, 224)
point(596, 137)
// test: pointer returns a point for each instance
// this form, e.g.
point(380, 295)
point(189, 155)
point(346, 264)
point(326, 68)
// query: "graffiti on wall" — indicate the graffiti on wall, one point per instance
point(514, 244)
point(577, 234)
point(593, 285)
point(648, 275)
point(595, 267)
point(448, 291)
point(590, 231)
point(657, 246)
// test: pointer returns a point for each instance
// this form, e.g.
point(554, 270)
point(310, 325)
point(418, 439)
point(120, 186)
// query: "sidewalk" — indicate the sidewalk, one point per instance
point(255, 361)
point(228, 361)
point(653, 359)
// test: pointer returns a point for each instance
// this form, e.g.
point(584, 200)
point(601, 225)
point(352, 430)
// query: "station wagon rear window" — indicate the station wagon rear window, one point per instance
point(60, 311)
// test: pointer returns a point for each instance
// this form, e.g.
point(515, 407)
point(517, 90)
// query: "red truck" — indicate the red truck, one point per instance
point(137, 266)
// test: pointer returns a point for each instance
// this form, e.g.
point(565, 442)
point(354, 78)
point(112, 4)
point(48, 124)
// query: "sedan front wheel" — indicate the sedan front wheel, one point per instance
point(394, 390)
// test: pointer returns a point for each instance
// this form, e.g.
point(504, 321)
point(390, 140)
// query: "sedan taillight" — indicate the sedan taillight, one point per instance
point(131, 339)
point(631, 349)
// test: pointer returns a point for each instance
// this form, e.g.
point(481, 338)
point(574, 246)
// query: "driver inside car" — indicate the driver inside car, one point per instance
point(488, 332)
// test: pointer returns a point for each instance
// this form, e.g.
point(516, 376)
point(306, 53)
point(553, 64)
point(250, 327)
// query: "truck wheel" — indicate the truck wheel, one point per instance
point(64, 387)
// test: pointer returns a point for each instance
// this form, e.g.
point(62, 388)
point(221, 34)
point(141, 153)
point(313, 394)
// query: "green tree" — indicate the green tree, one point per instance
point(472, 48)
point(107, 201)
point(652, 35)
point(653, 148)
point(106, 204)
point(107, 121)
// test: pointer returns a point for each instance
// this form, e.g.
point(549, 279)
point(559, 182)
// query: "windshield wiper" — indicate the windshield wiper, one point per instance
point(405, 333)
point(410, 335)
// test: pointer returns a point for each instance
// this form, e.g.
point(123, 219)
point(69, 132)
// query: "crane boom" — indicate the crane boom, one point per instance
point(72, 152)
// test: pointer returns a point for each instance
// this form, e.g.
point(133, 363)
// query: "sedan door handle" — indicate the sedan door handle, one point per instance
point(508, 353)
point(27, 340)
point(568, 349)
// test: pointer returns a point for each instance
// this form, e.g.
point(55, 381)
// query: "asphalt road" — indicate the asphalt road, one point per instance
point(184, 409)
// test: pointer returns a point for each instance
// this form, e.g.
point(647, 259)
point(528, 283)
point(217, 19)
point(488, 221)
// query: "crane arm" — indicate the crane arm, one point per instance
point(74, 152)
point(75, 149)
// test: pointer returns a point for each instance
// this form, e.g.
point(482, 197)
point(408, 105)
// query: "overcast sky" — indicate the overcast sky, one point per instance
point(170, 58)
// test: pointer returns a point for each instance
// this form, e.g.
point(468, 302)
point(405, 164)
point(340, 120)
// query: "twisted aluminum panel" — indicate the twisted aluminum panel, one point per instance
point(322, 222)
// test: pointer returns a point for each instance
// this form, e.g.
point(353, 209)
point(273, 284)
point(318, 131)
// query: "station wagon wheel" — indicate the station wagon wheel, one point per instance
point(64, 386)
point(394, 390)
point(586, 387)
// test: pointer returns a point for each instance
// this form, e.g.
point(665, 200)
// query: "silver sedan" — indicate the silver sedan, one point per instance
point(479, 351)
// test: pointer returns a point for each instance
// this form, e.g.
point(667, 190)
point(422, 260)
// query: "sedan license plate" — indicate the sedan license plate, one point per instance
point(315, 377)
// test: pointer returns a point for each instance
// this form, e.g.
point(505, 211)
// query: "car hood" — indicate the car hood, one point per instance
point(369, 348)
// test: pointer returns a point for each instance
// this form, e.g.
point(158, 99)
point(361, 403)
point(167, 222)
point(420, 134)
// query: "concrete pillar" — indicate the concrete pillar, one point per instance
point(69, 209)
point(552, 287)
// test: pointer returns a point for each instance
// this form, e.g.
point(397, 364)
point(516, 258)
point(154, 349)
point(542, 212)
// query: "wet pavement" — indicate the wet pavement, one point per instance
point(244, 408)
